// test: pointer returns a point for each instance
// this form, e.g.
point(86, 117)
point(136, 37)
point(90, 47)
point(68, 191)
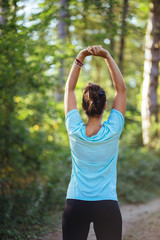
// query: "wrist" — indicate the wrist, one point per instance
point(81, 56)
point(106, 55)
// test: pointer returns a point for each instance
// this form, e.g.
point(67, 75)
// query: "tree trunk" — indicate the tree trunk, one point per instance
point(62, 37)
point(123, 33)
point(111, 24)
point(5, 153)
point(112, 33)
point(3, 17)
point(85, 20)
point(3, 22)
point(149, 105)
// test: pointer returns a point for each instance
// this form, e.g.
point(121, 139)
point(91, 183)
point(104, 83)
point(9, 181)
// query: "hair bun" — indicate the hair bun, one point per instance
point(93, 93)
point(94, 99)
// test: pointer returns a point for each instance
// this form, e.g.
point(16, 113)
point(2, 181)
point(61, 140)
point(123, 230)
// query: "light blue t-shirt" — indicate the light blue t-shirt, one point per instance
point(94, 158)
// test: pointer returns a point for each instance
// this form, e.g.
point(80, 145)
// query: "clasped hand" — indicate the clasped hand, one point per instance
point(96, 50)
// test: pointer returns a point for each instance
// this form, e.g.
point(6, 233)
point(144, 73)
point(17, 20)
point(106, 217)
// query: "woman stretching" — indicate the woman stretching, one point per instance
point(91, 194)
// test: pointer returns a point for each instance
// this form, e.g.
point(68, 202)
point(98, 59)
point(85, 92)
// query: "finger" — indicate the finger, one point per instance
point(90, 52)
point(99, 48)
point(94, 50)
point(90, 49)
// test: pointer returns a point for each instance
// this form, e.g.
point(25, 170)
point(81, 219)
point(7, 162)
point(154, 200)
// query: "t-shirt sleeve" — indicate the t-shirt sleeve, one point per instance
point(115, 121)
point(73, 121)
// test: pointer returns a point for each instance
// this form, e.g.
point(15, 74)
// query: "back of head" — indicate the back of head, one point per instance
point(93, 100)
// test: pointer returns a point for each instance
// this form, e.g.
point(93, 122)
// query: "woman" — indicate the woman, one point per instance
point(91, 194)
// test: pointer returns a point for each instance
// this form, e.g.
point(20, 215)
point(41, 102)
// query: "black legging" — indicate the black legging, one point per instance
point(105, 215)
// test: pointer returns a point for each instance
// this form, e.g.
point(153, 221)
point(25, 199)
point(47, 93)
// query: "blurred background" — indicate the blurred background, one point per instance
point(39, 40)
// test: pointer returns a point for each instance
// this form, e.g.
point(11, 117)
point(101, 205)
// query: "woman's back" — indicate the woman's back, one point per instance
point(93, 158)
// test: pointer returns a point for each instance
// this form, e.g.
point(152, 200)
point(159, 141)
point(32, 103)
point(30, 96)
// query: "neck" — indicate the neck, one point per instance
point(94, 121)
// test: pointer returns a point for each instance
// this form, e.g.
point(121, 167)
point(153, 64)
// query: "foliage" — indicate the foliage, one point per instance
point(138, 166)
point(138, 174)
point(154, 133)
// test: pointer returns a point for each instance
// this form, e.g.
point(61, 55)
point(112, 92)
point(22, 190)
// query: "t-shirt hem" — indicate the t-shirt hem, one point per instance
point(92, 199)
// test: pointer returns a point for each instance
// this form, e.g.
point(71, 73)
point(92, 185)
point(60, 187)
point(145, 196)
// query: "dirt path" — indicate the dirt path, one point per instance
point(134, 213)
point(140, 221)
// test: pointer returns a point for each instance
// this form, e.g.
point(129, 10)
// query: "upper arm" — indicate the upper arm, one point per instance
point(70, 101)
point(119, 102)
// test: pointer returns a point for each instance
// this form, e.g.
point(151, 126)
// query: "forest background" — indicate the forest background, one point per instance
point(39, 41)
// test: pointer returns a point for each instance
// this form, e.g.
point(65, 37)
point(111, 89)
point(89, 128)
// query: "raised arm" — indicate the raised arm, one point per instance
point(69, 95)
point(119, 102)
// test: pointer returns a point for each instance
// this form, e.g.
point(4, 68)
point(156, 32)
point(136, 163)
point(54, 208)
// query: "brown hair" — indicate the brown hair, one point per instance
point(93, 100)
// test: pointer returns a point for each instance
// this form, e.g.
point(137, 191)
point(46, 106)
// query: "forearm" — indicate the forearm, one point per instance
point(116, 75)
point(74, 73)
